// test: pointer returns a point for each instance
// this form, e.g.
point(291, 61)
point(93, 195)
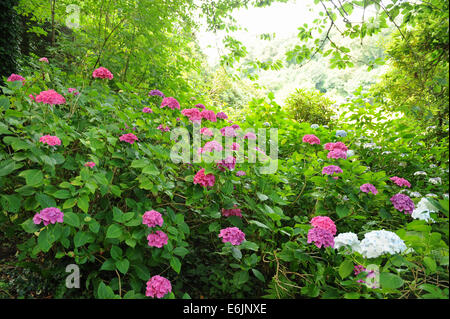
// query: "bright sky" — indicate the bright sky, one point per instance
point(280, 18)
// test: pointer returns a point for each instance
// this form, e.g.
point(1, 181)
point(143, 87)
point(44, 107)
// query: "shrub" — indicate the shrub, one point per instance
point(309, 106)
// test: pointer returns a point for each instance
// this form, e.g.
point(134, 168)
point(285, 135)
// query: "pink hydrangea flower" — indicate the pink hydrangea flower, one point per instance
point(240, 173)
point(102, 73)
point(16, 77)
point(368, 188)
point(171, 102)
point(403, 203)
point(193, 115)
point(147, 110)
point(232, 235)
point(235, 146)
point(320, 237)
point(129, 138)
point(400, 181)
point(336, 146)
point(89, 164)
point(152, 218)
point(157, 239)
point(206, 131)
point(50, 97)
point(222, 115)
point(250, 136)
point(210, 147)
point(156, 93)
point(331, 169)
point(311, 139)
point(200, 106)
point(163, 128)
point(232, 212)
point(50, 215)
point(228, 131)
point(358, 269)
point(208, 115)
point(228, 163)
point(324, 222)
point(73, 90)
point(50, 140)
point(235, 126)
point(337, 153)
point(43, 59)
point(158, 287)
point(207, 180)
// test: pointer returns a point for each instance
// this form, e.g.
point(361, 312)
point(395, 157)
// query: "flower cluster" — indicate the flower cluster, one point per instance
point(43, 59)
point(206, 131)
point(221, 115)
point(89, 164)
point(250, 136)
point(193, 115)
point(49, 215)
point(152, 218)
point(331, 169)
point(240, 173)
point(207, 180)
point(403, 203)
point(232, 212)
point(102, 73)
point(311, 139)
point(208, 115)
point(157, 239)
point(156, 93)
point(147, 110)
point(73, 91)
point(210, 147)
point(368, 188)
point(50, 97)
point(129, 138)
point(324, 222)
point(341, 133)
point(337, 153)
point(400, 181)
point(232, 235)
point(379, 242)
point(50, 140)
point(16, 77)
point(171, 102)
point(347, 240)
point(163, 128)
point(227, 163)
point(320, 237)
point(336, 146)
point(158, 287)
point(228, 131)
point(423, 210)
point(200, 106)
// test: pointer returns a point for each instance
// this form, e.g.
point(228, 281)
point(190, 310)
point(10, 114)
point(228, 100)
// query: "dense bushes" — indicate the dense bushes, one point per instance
point(309, 106)
point(131, 214)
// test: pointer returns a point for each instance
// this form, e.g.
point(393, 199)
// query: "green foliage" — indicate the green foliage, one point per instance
point(309, 106)
point(9, 42)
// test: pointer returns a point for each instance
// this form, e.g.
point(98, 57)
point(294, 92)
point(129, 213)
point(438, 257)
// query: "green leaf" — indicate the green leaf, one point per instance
point(105, 292)
point(175, 263)
point(62, 194)
point(258, 275)
point(346, 268)
point(240, 277)
point(262, 197)
point(71, 219)
point(390, 281)
point(116, 252)
point(69, 203)
point(236, 252)
point(114, 231)
point(342, 211)
point(430, 263)
point(33, 177)
point(123, 265)
point(45, 201)
point(44, 240)
point(29, 226)
point(81, 238)
point(83, 203)
point(180, 251)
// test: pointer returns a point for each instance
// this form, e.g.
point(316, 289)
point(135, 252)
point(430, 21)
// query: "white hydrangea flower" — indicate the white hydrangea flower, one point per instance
point(386, 152)
point(314, 126)
point(350, 153)
point(432, 195)
point(445, 196)
point(423, 210)
point(369, 145)
point(435, 180)
point(347, 239)
point(420, 173)
point(433, 166)
point(415, 194)
point(379, 242)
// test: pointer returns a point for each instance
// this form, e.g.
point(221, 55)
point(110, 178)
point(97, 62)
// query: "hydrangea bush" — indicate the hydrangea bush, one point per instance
point(88, 179)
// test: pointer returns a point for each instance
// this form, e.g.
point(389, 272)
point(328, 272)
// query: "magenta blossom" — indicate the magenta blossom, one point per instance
point(311, 139)
point(324, 222)
point(129, 138)
point(228, 163)
point(193, 115)
point(171, 102)
point(157, 239)
point(200, 106)
point(89, 164)
point(207, 180)
point(337, 153)
point(250, 136)
point(232, 212)
point(156, 93)
point(163, 128)
point(102, 73)
point(331, 169)
point(50, 97)
point(152, 218)
point(240, 173)
point(16, 77)
point(43, 59)
point(228, 131)
point(50, 215)
point(208, 115)
point(400, 181)
point(158, 287)
point(232, 235)
point(320, 237)
point(222, 115)
point(73, 91)
point(210, 147)
point(368, 188)
point(147, 110)
point(50, 140)
point(403, 203)
point(206, 131)
point(336, 146)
